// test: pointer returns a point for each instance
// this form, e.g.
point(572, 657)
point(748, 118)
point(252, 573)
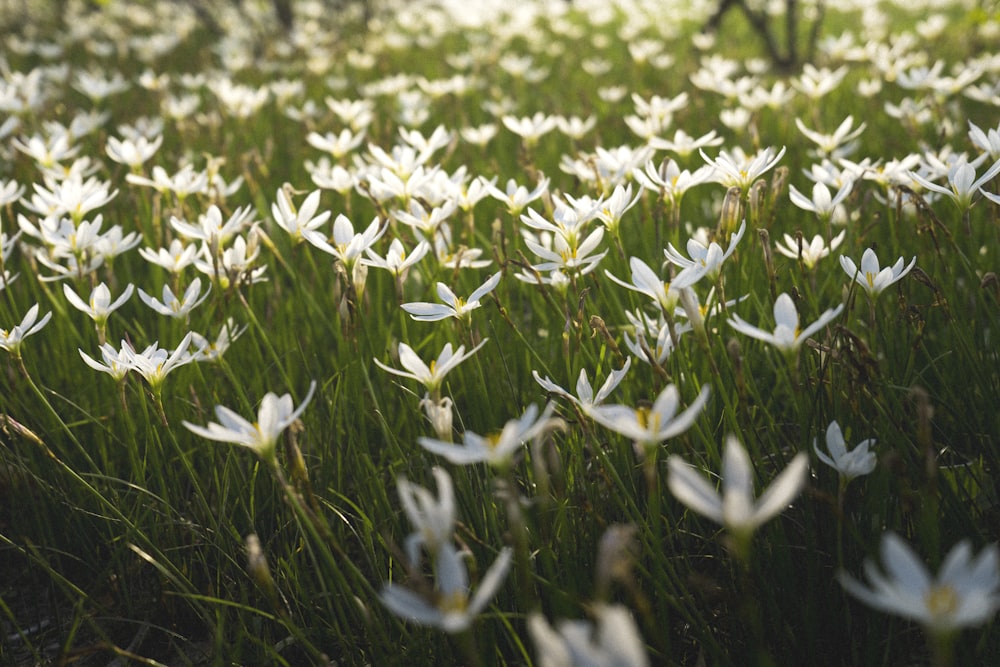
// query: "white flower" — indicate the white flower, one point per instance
point(175, 259)
point(301, 224)
point(871, 276)
point(154, 362)
point(433, 519)
point(648, 427)
point(706, 260)
point(614, 642)
point(822, 203)
point(275, 414)
point(171, 306)
point(664, 294)
point(849, 464)
point(116, 363)
point(585, 397)
point(735, 508)
point(497, 449)
point(99, 306)
point(451, 610)
point(348, 246)
point(742, 170)
point(787, 335)
point(397, 260)
point(962, 182)
point(12, 339)
point(433, 375)
point(808, 253)
point(453, 306)
point(965, 593)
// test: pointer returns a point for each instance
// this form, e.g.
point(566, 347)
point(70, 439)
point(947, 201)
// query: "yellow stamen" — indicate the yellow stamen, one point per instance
point(941, 600)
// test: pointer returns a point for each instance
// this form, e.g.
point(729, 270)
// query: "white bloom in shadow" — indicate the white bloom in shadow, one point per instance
point(735, 507)
point(450, 606)
point(275, 414)
point(872, 277)
point(965, 593)
point(848, 464)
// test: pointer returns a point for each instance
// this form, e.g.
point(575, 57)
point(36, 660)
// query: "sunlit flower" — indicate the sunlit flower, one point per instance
point(822, 203)
point(736, 508)
point(431, 376)
point(100, 305)
point(184, 183)
point(155, 363)
point(497, 449)
point(132, 152)
point(740, 170)
point(871, 276)
point(397, 260)
point(787, 335)
point(648, 427)
point(848, 464)
point(684, 144)
point(453, 306)
point(836, 144)
point(302, 223)
point(665, 294)
point(174, 259)
point(705, 260)
point(348, 246)
point(962, 182)
point(808, 253)
point(516, 197)
point(173, 306)
point(116, 363)
point(12, 339)
point(530, 128)
point(275, 414)
point(965, 592)
point(585, 397)
point(212, 228)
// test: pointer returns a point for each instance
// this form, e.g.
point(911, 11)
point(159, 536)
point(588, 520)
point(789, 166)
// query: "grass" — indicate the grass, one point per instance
point(127, 534)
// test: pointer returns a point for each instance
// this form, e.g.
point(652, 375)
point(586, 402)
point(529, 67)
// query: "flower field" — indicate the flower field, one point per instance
point(542, 333)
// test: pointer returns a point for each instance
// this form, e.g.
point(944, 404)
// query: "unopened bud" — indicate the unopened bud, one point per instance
point(731, 209)
point(439, 415)
point(260, 572)
point(615, 556)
